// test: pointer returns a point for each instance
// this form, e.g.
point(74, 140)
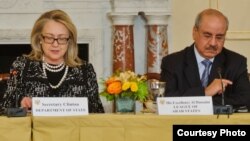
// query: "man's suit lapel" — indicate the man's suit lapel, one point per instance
point(218, 62)
point(191, 69)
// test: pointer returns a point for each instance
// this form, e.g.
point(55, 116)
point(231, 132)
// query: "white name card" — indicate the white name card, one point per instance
point(195, 105)
point(59, 106)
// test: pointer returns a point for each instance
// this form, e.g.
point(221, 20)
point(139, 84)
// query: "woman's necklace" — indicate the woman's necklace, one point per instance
point(56, 68)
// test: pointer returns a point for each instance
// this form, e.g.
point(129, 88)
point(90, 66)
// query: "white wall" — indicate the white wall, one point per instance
point(237, 11)
point(92, 20)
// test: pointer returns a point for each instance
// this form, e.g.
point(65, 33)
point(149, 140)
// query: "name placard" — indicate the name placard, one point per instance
point(198, 105)
point(59, 106)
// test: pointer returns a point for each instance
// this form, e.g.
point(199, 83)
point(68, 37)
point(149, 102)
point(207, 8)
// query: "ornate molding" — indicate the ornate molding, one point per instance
point(14, 36)
point(124, 11)
point(140, 5)
point(20, 6)
point(122, 18)
point(6, 4)
point(78, 5)
point(94, 38)
point(157, 18)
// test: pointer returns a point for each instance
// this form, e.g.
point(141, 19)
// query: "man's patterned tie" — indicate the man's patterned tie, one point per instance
point(205, 74)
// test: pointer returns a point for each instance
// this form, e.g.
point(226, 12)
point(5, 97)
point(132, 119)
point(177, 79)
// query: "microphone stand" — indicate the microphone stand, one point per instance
point(222, 109)
point(16, 111)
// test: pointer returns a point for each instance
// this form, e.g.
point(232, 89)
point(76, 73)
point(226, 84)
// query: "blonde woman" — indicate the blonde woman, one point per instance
point(52, 69)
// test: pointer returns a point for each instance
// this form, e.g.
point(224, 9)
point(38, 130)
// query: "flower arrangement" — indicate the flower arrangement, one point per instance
point(125, 84)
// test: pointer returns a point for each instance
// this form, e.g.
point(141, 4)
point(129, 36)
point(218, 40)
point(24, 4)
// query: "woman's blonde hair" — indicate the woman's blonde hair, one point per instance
point(71, 56)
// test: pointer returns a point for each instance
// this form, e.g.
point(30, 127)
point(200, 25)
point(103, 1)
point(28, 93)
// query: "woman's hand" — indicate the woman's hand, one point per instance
point(26, 102)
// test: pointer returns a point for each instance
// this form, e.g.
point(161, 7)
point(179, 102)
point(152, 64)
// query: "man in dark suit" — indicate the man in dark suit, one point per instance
point(186, 74)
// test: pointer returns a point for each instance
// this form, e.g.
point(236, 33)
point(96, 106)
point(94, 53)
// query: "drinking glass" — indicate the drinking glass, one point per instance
point(156, 89)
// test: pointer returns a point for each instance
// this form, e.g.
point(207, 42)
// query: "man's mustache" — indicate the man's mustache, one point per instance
point(213, 48)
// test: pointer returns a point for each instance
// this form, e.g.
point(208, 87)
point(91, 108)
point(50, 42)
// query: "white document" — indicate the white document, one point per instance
point(193, 105)
point(59, 106)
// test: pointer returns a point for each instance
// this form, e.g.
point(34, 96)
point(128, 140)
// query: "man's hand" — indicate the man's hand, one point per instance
point(216, 88)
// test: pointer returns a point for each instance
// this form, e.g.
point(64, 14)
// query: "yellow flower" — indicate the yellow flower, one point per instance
point(125, 86)
point(134, 87)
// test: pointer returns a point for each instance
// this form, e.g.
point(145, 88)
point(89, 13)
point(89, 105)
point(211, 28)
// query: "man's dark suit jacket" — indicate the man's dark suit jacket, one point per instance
point(180, 71)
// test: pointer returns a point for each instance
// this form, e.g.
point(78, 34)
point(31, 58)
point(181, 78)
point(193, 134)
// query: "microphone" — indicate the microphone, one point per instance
point(222, 87)
point(16, 111)
point(222, 109)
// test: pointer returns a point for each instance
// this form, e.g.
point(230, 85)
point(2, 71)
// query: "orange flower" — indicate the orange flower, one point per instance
point(114, 87)
point(110, 80)
point(125, 84)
